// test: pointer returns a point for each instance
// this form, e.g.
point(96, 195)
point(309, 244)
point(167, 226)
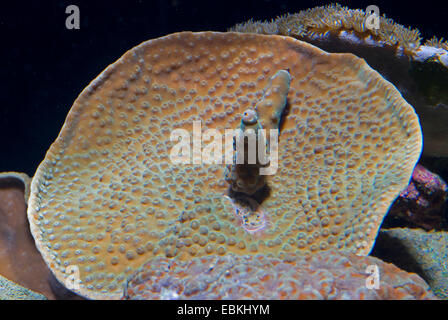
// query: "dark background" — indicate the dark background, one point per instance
point(44, 66)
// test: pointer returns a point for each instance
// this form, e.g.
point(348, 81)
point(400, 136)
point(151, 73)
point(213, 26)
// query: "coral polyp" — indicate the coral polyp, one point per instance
point(250, 214)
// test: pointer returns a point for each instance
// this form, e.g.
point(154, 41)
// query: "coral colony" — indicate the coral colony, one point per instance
point(347, 145)
point(419, 69)
point(244, 164)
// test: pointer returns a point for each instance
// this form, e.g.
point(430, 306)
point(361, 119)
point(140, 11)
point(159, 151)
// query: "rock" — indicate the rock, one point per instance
point(12, 291)
point(21, 262)
point(422, 204)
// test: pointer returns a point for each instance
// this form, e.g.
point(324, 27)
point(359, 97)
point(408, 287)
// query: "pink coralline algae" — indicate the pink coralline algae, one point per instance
point(328, 275)
point(422, 202)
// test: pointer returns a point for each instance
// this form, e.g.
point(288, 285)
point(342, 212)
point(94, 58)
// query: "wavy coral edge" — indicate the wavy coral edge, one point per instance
point(56, 150)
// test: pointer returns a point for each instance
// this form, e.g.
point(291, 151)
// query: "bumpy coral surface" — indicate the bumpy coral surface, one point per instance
point(12, 291)
point(423, 202)
point(417, 250)
point(107, 198)
point(13, 179)
point(419, 70)
point(325, 275)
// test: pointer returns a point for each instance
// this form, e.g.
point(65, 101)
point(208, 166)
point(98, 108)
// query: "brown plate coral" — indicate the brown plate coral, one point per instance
point(107, 199)
point(327, 275)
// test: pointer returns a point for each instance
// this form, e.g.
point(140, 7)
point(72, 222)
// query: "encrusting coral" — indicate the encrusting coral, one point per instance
point(107, 198)
point(423, 202)
point(418, 70)
point(328, 275)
